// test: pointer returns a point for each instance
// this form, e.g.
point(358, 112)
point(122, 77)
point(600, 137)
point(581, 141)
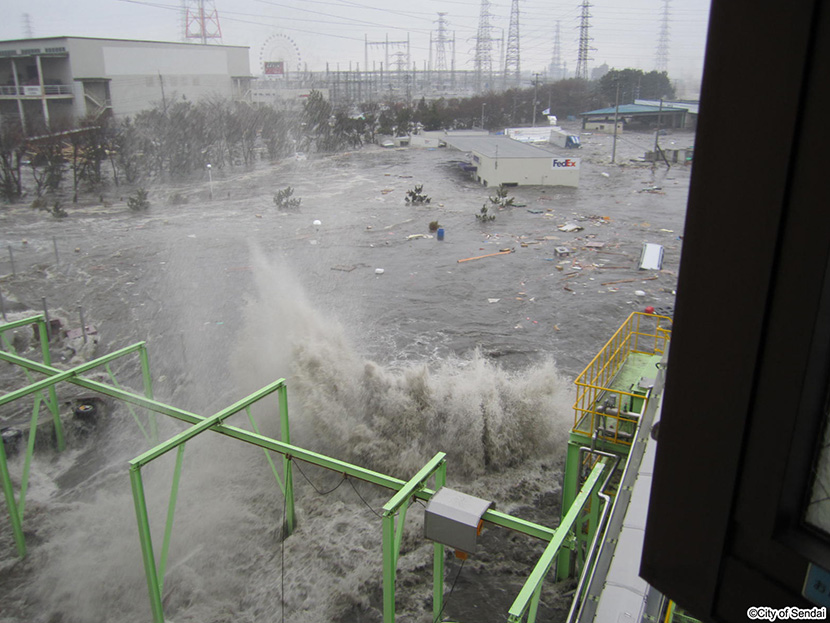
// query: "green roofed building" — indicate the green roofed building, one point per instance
point(628, 115)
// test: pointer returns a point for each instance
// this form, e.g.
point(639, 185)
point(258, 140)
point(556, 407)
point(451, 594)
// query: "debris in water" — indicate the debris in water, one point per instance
point(570, 227)
point(493, 300)
point(317, 222)
point(609, 283)
point(379, 271)
point(478, 257)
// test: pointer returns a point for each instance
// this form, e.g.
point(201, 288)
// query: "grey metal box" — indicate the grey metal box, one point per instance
point(452, 518)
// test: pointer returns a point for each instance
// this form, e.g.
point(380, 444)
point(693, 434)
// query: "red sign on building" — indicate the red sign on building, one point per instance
point(274, 68)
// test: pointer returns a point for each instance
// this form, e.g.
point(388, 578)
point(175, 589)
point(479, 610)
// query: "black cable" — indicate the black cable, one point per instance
point(337, 486)
point(452, 588)
point(364, 501)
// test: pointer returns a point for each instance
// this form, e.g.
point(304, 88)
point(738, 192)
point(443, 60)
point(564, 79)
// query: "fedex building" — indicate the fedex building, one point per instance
point(495, 160)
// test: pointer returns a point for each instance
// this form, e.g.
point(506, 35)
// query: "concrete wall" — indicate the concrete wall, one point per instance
point(136, 69)
point(604, 126)
point(553, 171)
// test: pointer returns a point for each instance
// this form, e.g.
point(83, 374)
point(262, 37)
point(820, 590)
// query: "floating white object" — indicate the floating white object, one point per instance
point(639, 293)
point(378, 271)
point(651, 257)
point(317, 222)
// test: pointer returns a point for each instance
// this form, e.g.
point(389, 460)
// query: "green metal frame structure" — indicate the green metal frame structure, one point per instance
point(526, 603)
point(633, 352)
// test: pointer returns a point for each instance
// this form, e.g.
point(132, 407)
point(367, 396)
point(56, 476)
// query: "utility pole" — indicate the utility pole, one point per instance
point(657, 137)
point(535, 91)
point(163, 99)
point(616, 115)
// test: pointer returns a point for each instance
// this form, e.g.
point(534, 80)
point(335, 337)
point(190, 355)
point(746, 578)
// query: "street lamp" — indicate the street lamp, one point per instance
point(210, 180)
point(483, 106)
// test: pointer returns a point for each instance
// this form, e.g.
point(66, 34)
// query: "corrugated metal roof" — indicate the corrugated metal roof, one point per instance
point(633, 109)
point(692, 107)
point(496, 147)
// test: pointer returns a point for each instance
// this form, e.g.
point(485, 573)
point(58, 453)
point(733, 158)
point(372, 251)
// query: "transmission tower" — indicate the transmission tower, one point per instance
point(28, 31)
point(556, 70)
point(441, 43)
point(483, 60)
point(512, 65)
point(661, 61)
point(201, 20)
point(584, 42)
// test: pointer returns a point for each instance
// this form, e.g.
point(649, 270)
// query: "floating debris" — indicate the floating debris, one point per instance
point(478, 257)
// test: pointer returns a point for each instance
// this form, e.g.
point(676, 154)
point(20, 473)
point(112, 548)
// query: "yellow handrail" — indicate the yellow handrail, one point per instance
point(596, 379)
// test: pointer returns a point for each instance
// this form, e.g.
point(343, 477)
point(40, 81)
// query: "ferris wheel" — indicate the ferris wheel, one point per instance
point(278, 56)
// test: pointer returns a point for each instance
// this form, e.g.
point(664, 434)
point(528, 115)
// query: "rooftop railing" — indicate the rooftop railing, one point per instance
point(606, 406)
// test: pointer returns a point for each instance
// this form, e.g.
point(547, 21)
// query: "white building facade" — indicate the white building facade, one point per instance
point(496, 160)
point(60, 79)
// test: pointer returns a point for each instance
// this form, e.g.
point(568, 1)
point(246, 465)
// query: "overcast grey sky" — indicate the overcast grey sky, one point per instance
point(624, 33)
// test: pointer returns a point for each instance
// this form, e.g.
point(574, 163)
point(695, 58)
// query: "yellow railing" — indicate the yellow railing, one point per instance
point(613, 411)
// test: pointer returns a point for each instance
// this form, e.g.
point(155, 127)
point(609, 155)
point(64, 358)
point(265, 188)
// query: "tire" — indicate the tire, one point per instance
point(86, 412)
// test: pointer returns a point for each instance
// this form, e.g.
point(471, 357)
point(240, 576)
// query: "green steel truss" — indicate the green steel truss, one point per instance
point(525, 605)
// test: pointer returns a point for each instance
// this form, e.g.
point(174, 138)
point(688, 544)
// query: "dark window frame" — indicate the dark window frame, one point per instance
point(748, 367)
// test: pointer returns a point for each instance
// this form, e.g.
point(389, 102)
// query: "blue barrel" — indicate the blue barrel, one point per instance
point(440, 233)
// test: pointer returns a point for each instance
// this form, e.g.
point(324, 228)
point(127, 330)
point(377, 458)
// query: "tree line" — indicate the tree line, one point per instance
point(173, 141)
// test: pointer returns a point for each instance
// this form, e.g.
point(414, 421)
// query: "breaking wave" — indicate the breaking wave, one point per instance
point(394, 419)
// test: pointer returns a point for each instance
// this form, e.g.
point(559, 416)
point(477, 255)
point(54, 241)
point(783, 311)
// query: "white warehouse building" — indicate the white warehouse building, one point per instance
point(43, 81)
point(496, 160)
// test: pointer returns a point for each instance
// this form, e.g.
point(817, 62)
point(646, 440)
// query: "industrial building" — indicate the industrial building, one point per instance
point(496, 160)
point(633, 115)
point(53, 79)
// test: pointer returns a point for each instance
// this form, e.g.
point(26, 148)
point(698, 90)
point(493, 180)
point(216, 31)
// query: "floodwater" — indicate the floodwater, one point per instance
point(392, 348)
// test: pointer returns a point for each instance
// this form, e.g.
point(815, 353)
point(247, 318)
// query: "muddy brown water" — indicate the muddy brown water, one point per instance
point(384, 369)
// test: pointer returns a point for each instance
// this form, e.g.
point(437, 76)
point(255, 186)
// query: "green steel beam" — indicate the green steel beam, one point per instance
point(438, 555)
point(414, 484)
point(55, 375)
point(540, 571)
point(171, 508)
point(392, 538)
point(8, 492)
point(146, 540)
point(16, 324)
point(287, 470)
point(495, 517)
point(205, 424)
point(27, 461)
point(491, 516)
point(148, 436)
point(52, 403)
